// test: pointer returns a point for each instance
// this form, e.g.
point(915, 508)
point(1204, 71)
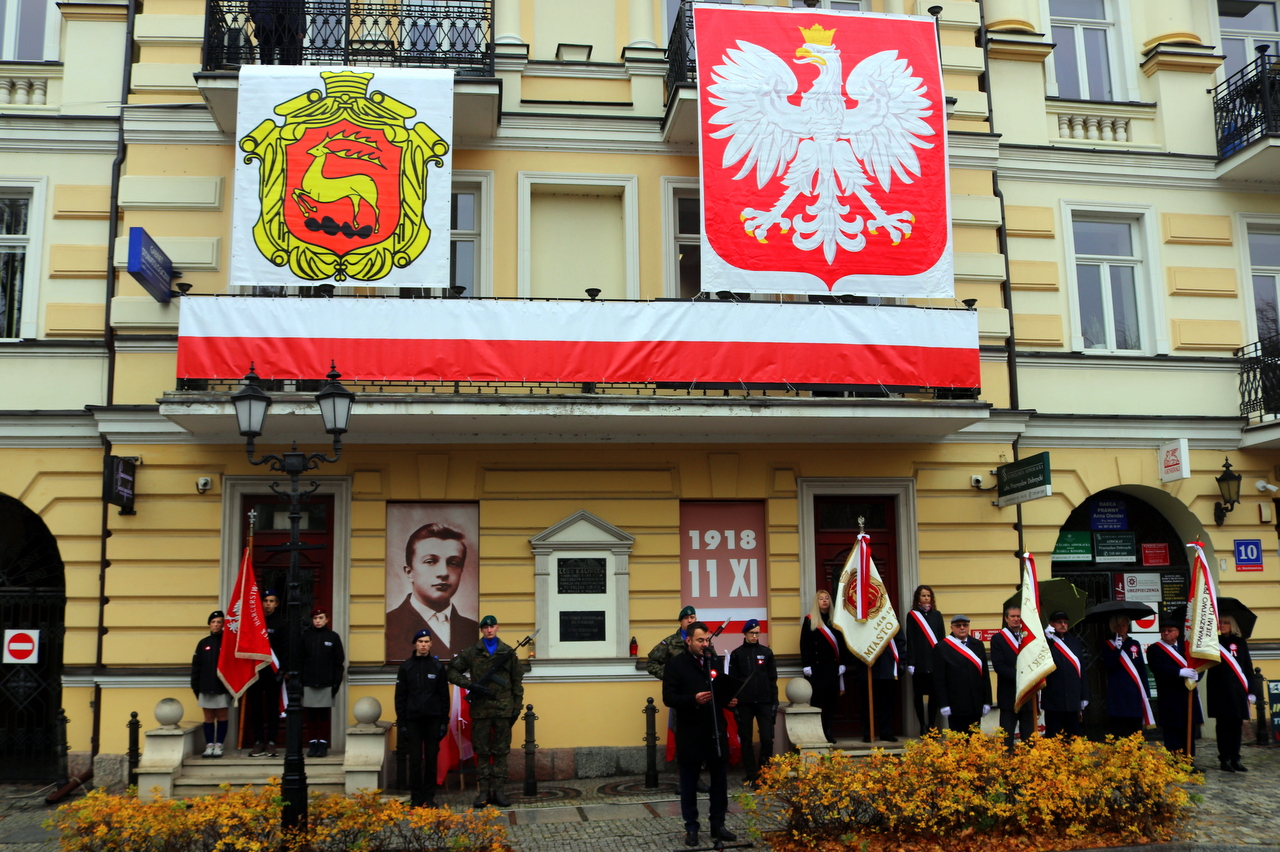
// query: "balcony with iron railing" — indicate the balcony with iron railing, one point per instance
point(1246, 109)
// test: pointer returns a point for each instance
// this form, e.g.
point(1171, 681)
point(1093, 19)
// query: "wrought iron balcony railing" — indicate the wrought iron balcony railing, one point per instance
point(1246, 106)
point(457, 34)
point(680, 59)
point(1260, 379)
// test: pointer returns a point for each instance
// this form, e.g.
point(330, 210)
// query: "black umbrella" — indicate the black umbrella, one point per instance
point(1055, 594)
point(1131, 610)
point(1245, 617)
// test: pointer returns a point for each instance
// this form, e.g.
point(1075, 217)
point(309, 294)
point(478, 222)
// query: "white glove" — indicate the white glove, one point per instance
point(911, 669)
point(945, 711)
point(1253, 699)
point(1191, 673)
point(1048, 630)
point(842, 670)
point(1118, 643)
point(808, 672)
point(1084, 704)
point(986, 708)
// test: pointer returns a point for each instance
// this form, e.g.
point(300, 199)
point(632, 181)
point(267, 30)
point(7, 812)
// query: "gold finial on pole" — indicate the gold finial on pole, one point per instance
point(862, 522)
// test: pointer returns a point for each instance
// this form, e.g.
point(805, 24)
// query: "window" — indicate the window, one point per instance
point(1107, 269)
point(688, 248)
point(14, 237)
point(29, 30)
point(1245, 26)
point(464, 224)
point(1264, 263)
point(1082, 59)
point(833, 5)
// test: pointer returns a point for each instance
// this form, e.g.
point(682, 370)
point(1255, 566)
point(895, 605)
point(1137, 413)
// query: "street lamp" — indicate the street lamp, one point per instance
point(251, 404)
point(1229, 487)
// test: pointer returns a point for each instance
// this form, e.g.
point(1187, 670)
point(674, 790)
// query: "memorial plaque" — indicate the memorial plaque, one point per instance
point(582, 626)
point(582, 576)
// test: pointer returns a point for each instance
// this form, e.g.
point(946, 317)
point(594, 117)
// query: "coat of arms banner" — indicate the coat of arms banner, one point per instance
point(342, 177)
point(823, 153)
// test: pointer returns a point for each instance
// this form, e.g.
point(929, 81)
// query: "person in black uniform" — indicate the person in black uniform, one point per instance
point(1171, 668)
point(1128, 704)
point(1005, 646)
point(758, 697)
point(211, 693)
point(264, 694)
point(323, 665)
point(1231, 693)
point(688, 681)
point(1066, 689)
point(422, 717)
point(825, 658)
point(960, 677)
point(884, 671)
point(924, 629)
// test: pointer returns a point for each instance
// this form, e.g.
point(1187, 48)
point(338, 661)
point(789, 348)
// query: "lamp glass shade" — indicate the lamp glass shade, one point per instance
point(251, 403)
point(335, 407)
point(1229, 485)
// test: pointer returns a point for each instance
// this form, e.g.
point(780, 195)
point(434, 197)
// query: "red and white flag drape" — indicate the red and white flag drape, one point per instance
point(1035, 659)
point(245, 646)
point(456, 745)
point(1201, 628)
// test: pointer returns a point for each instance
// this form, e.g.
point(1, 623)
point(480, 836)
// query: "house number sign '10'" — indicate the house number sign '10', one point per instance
point(722, 553)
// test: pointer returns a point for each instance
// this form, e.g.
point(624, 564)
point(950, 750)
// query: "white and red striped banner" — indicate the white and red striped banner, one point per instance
point(570, 341)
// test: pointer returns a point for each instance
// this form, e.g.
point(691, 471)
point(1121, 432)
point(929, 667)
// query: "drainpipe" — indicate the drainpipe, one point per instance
point(108, 336)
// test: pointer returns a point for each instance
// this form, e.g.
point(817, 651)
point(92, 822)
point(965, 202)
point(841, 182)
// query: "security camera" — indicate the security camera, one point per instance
point(1263, 487)
point(976, 480)
point(203, 484)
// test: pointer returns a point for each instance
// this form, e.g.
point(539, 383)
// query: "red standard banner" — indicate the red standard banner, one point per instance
point(824, 161)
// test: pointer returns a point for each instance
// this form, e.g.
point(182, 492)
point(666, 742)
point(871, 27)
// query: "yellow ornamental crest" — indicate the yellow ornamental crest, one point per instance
point(343, 181)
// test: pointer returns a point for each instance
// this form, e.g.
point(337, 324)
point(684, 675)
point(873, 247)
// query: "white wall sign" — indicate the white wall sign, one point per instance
point(1174, 461)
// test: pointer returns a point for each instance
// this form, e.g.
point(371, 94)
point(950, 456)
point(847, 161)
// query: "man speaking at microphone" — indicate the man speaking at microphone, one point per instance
point(697, 690)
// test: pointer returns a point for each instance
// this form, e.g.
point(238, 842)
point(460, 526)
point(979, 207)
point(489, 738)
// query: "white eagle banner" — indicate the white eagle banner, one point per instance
point(823, 153)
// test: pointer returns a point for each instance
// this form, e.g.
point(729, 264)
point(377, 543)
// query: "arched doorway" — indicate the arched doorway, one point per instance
point(32, 596)
point(1119, 545)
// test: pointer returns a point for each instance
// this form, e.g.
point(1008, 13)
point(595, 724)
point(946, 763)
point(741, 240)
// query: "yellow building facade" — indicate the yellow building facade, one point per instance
point(575, 144)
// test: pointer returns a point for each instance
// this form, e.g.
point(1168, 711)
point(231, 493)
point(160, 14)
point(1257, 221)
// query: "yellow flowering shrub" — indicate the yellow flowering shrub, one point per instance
point(248, 820)
point(950, 793)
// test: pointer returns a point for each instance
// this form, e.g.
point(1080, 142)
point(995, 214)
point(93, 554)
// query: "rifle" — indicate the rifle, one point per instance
point(498, 662)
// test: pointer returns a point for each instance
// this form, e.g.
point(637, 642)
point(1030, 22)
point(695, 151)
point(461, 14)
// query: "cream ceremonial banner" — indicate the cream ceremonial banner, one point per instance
point(1201, 628)
point(866, 637)
point(343, 177)
point(1035, 660)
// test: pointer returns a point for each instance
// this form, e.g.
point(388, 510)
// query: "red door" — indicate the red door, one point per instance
point(835, 536)
point(271, 566)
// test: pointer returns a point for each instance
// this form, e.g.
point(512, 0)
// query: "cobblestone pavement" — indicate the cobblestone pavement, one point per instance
point(1236, 811)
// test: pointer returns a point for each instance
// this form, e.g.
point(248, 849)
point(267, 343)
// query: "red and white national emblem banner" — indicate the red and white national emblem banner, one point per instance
point(824, 157)
point(342, 176)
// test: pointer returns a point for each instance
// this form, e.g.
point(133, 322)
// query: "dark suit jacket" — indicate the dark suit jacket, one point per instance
point(1171, 697)
point(919, 651)
point(404, 621)
point(1004, 659)
point(1227, 698)
point(1064, 689)
point(696, 724)
point(957, 683)
point(1123, 698)
point(816, 653)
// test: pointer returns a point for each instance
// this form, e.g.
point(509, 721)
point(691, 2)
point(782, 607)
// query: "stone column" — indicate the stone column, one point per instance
point(640, 24)
point(1013, 16)
point(1171, 22)
point(506, 22)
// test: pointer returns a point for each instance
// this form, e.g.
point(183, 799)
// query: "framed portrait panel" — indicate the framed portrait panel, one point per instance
point(433, 563)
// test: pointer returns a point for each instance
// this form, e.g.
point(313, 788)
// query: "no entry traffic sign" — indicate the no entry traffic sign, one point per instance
point(22, 646)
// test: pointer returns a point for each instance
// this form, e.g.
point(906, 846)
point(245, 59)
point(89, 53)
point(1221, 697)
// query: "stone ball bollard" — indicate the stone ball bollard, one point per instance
point(169, 712)
point(799, 691)
point(367, 710)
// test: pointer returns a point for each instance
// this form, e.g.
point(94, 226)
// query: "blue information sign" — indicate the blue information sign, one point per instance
point(1248, 554)
point(149, 265)
point(1108, 515)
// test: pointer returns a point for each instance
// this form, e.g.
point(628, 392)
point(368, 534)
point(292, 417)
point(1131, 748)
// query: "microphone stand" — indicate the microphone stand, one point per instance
point(711, 684)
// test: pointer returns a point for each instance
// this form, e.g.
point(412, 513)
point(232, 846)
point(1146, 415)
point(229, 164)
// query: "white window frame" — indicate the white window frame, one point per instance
point(1119, 24)
point(36, 189)
point(52, 33)
point(1251, 37)
point(1246, 222)
point(1153, 326)
point(481, 183)
point(630, 186)
point(673, 187)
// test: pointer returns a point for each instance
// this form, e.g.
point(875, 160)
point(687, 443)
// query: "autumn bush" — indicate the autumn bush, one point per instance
point(248, 820)
point(959, 791)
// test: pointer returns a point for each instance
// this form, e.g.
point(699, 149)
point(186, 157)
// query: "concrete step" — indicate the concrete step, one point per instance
point(265, 766)
point(186, 788)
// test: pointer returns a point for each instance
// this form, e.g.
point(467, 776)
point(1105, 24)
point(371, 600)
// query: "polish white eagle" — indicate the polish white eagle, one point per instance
point(816, 147)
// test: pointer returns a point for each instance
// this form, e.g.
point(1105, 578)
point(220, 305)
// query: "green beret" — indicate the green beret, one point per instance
point(488, 620)
point(688, 611)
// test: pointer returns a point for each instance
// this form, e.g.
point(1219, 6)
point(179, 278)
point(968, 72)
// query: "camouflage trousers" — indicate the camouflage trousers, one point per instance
point(491, 738)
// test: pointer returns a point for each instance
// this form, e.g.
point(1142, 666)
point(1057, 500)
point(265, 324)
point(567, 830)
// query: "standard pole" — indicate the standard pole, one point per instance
point(871, 706)
point(293, 788)
point(1190, 716)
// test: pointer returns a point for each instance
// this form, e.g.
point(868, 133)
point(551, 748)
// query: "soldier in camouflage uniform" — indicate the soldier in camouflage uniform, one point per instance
point(672, 645)
point(495, 706)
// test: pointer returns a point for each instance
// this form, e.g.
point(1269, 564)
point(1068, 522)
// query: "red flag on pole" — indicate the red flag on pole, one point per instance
point(245, 646)
point(456, 745)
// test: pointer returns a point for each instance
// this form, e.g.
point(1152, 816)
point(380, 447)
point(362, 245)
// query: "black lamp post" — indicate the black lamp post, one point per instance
point(251, 404)
point(1229, 487)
